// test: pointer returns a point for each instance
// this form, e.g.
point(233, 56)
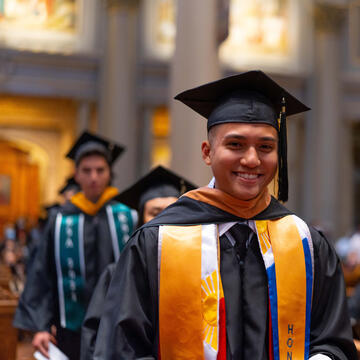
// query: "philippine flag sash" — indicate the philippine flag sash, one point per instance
point(288, 254)
point(191, 300)
point(191, 296)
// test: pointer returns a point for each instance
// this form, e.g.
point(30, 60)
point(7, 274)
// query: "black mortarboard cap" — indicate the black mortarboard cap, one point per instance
point(88, 143)
point(160, 182)
point(70, 184)
point(250, 97)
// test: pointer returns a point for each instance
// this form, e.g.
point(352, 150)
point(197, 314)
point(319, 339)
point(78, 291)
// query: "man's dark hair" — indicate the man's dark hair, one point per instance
point(211, 134)
point(91, 153)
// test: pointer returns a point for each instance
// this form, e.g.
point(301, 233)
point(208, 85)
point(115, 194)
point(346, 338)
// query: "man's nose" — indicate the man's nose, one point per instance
point(250, 158)
point(93, 175)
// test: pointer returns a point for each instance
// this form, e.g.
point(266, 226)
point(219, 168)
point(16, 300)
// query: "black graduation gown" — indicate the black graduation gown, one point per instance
point(38, 307)
point(129, 325)
point(89, 329)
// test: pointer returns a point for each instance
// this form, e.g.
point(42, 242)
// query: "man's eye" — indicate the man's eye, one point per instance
point(234, 144)
point(266, 147)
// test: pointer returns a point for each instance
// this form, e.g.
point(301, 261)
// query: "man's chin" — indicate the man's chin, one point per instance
point(245, 195)
point(241, 194)
point(93, 196)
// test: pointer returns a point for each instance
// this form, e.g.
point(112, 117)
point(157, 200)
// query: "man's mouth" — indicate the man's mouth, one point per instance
point(247, 176)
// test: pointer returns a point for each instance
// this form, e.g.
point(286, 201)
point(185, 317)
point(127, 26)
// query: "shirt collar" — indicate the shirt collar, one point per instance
point(223, 228)
point(211, 184)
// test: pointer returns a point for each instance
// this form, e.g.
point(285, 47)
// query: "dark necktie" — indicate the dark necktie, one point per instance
point(241, 234)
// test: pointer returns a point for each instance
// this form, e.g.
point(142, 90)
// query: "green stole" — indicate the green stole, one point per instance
point(70, 260)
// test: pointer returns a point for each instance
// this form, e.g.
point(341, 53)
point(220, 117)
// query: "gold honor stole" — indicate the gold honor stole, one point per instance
point(191, 300)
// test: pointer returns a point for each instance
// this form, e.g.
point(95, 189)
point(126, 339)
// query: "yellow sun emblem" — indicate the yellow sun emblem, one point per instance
point(264, 238)
point(209, 299)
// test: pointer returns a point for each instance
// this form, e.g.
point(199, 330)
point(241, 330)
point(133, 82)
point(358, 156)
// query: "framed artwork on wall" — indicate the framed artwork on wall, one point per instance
point(274, 35)
point(46, 25)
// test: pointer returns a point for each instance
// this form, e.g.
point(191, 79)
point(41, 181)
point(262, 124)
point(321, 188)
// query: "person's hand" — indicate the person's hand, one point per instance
point(41, 342)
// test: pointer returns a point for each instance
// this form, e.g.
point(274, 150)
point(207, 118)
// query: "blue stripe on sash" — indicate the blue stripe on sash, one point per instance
point(273, 306)
point(309, 283)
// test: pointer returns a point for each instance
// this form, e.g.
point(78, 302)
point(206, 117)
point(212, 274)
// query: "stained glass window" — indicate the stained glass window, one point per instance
point(58, 15)
point(160, 28)
point(165, 24)
point(38, 24)
point(259, 25)
point(259, 29)
point(261, 32)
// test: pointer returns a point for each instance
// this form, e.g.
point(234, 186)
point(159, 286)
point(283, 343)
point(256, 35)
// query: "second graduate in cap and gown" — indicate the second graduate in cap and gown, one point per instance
point(85, 235)
point(149, 196)
point(228, 272)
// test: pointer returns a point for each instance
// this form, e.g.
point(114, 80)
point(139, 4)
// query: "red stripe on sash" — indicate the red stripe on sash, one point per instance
point(222, 331)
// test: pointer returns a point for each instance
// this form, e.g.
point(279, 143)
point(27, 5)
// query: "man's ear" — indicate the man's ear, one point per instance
point(205, 150)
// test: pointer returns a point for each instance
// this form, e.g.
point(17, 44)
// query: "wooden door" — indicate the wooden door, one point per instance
point(19, 185)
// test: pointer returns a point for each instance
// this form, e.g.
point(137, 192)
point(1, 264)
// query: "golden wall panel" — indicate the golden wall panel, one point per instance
point(45, 128)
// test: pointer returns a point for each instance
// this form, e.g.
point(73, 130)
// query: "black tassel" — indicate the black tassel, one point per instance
point(283, 183)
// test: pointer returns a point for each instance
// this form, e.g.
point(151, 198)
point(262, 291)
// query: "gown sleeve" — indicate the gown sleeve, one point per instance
point(331, 333)
point(91, 322)
point(127, 326)
point(36, 307)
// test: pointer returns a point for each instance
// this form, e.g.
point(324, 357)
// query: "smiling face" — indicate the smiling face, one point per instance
point(243, 157)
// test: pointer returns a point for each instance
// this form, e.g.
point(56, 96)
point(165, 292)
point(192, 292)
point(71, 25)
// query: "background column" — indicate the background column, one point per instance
point(195, 62)
point(323, 130)
point(83, 117)
point(118, 118)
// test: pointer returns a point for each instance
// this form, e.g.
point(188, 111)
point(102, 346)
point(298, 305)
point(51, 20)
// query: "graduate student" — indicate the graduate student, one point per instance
point(149, 196)
point(154, 192)
point(228, 272)
point(85, 235)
